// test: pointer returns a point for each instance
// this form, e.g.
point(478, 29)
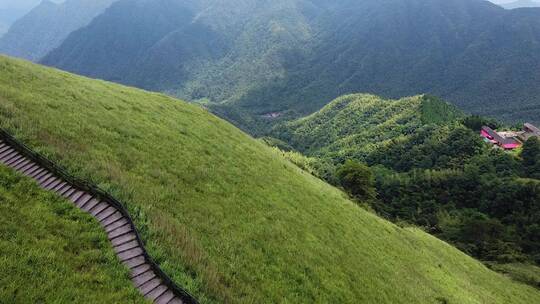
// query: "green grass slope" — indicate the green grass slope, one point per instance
point(50, 252)
point(352, 126)
point(226, 216)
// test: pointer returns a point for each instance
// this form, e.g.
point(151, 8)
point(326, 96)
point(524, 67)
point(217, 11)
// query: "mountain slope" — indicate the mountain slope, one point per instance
point(54, 252)
point(431, 169)
point(121, 36)
point(46, 26)
point(353, 126)
point(218, 225)
point(292, 56)
point(471, 53)
point(189, 40)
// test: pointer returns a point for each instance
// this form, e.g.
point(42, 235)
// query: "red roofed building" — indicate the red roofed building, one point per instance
point(495, 138)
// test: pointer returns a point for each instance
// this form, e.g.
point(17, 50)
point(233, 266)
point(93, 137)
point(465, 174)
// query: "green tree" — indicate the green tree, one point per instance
point(531, 157)
point(358, 180)
point(476, 122)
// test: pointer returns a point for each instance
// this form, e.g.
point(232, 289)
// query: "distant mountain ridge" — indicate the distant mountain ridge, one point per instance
point(46, 26)
point(7, 17)
point(3, 29)
point(247, 58)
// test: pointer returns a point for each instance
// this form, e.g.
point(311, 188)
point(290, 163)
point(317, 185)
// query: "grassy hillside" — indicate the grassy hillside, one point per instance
point(529, 274)
point(353, 126)
point(53, 253)
point(226, 216)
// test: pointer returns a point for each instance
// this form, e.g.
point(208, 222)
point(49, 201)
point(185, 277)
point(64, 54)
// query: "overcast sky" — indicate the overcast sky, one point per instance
point(506, 1)
point(502, 1)
point(21, 4)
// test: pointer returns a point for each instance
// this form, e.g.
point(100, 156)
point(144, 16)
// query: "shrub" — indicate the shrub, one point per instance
point(358, 180)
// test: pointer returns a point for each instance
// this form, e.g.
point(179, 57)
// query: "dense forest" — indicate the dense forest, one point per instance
point(420, 161)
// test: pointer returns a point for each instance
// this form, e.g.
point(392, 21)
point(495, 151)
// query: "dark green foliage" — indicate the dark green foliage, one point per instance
point(438, 175)
point(353, 126)
point(531, 157)
point(454, 187)
point(432, 147)
point(358, 180)
point(371, 129)
point(437, 111)
point(448, 172)
point(476, 122)
point(491, 218)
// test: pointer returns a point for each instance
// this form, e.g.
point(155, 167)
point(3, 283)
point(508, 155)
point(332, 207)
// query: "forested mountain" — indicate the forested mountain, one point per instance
point(353, 126)
point(46, 26)
point(202, 49)
point(293, 56)
point(116, 44)
point(472, 53)
point(430, 168)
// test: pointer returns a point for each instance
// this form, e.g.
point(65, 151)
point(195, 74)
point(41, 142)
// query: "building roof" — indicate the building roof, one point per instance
point(529, 127)
point(498, 138)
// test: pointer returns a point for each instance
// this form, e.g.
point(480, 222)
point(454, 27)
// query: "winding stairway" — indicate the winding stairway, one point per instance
point(145, 274)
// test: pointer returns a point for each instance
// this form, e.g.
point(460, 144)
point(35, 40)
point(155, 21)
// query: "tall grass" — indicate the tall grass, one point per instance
point(51, 252)
point(227, 217)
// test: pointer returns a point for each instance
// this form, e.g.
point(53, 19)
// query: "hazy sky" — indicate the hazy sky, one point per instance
point(21, 4)
point(505, 1)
